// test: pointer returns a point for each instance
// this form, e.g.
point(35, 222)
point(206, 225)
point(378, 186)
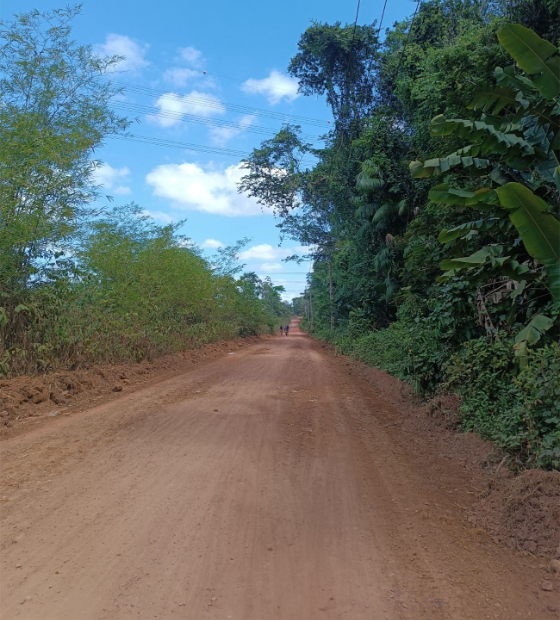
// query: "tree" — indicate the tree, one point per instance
point(339, 62)
point(55, 113)
point(226, 260)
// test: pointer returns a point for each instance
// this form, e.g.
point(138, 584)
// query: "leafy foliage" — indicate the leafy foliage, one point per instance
point(54, 114)
point(520, 411)
point(81, 283)
point(441, 98)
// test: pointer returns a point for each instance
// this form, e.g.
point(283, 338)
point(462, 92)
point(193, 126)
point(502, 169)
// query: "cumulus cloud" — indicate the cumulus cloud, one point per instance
point(267, 252)
point(264, 251)
point(212, 244)
point(110, 179)
point(293, 288)
point(196, 188)
point(160, 216)
point(191, 56)
point(221, 135)
point(188, 69)
point(134, 53)
point(122, 190)
point(173, 107)
point(271, 267)
point(275, 87)
point(179, 76)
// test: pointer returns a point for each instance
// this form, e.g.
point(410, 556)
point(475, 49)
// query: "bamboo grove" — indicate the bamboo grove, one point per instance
point(83, 281)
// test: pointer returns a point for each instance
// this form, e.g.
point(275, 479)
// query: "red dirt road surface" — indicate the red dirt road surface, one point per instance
point(263, 485)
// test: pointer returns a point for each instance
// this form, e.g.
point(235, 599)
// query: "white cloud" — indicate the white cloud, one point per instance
point(122, 190)
point(109, 178)
point(293, 288)
point(179, 76)
point(267, 252)
point(275, 87)
point(197, 188)
point(264, 251)
point(212, 244)
point(271, 267)
point(121, 45)
point(191, 56)
point(159, 215)
point(221, 135)
point(173, 107)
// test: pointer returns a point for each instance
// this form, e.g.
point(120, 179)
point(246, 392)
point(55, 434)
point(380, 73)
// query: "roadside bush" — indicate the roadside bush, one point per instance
point(538, 407)
point(518, 409)
point(135, 291)
point(417, 346)
point(386, 349)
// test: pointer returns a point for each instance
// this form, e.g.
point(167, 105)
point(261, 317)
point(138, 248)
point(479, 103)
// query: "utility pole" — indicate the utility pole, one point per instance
point(331, 294)
point(311, 311)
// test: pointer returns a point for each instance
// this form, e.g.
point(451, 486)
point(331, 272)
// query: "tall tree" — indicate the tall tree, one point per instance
point(339, 62)
point(55, 113)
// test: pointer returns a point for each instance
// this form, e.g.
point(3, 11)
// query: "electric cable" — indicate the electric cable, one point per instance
point(357, 14)
point(407, 37)
point(204, 72)
point(218, 105)
point(197, 118)
point(181, 145)
point(381, 20)
point(212, 150)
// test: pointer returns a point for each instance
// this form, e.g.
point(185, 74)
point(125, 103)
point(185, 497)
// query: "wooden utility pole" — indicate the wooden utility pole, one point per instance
point(311, 311)
point(331, 294)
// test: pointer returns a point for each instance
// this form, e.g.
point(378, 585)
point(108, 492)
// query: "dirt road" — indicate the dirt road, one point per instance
point(264, 485)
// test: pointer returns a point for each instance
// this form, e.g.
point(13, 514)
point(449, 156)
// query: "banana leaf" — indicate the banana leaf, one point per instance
point(535, 56)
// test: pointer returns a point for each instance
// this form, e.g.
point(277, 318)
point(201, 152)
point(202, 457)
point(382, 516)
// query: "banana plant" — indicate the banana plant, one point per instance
point(537, 227)
point(513, 148)
point(535, 56)
point(517, 137)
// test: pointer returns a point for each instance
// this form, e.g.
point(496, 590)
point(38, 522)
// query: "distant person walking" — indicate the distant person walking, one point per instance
point(281, 330)
point(287, 329)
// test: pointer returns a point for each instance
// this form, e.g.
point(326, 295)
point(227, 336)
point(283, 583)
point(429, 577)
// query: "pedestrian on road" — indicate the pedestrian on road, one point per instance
point(281, 330)
point(287, 329)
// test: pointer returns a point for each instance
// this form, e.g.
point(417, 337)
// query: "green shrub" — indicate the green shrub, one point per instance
point(516, 408)
point(415, 348)
point(519, 410)
point(538, 407)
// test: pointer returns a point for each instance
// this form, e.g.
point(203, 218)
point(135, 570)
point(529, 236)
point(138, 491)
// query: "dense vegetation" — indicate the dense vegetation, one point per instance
point(80, 282)
point(433, 208)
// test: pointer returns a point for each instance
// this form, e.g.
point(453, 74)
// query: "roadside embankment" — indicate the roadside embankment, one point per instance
point(27, 400)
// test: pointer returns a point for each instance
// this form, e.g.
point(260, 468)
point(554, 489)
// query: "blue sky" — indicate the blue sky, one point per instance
point(210, 74)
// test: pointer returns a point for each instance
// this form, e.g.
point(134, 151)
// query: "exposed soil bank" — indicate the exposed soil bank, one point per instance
point(62, 393)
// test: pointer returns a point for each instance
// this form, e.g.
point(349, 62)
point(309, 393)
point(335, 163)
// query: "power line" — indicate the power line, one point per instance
point(182, 145)
point(204, 73)
point(218, 105)
point(197, 118)
point(381, 20)
point(407, 37)
point(357, 14)
point(212, 150)
point(352, 39)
